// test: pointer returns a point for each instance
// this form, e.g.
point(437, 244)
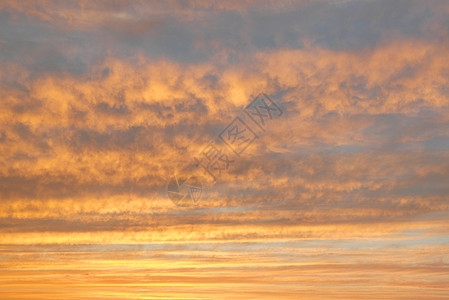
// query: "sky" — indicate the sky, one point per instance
point(308, 141)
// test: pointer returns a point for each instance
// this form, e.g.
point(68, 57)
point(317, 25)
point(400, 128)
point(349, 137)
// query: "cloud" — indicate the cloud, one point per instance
point(343, 195)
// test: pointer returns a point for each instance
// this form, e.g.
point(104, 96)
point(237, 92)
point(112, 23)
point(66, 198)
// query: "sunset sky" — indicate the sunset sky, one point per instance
point(342, 194)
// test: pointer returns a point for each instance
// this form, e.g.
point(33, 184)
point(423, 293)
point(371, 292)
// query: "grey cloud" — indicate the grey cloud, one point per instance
point(355, 25)
point(48, 186)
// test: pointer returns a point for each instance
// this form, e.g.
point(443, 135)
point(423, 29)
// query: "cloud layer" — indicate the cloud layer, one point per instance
point(345, 195)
